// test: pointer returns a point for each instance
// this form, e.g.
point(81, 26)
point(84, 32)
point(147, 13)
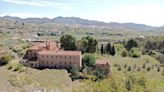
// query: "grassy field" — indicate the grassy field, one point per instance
point(154, 80)
point(30, 80)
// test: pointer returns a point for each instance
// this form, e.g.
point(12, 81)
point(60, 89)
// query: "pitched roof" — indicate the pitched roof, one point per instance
point(47, 52)
point(40, 45)
point(102, 62)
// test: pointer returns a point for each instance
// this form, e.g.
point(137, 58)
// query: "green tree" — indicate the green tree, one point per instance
point(79, 45)
point(131, 44)
point(108, 48)
point(89, 60)
point(74, 71)
point(89, 44)
point(113, 50)
point(68, 42)
point(102, 49)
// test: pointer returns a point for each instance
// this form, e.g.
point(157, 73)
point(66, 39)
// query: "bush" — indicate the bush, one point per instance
point(148, 68)
point(144, 66)
point(74, 71)
point(89, 59)
point(5, 59)
point(16, 67)
point(135, 52)
point(125, 66)
point(158, 69)
point(100, 74)
point(129, 85)
point(124, 53)
point(138, 69)
point(119, 68)
point(129, 68)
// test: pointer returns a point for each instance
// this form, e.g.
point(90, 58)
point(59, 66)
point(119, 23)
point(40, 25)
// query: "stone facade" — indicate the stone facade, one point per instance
point(50, 55)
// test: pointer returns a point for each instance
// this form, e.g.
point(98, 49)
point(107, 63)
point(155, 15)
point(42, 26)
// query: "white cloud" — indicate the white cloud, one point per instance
point(42, 3)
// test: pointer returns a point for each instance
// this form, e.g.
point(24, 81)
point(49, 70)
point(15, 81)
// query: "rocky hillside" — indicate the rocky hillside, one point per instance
point(83, 22)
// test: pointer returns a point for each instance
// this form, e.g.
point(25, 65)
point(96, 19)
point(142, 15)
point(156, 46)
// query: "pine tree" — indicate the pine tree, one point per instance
point(112, 51)
point(102, 49)
point(108, 48)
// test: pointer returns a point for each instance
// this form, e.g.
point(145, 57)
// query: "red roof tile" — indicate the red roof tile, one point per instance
point(47, 52)
point(101, 62)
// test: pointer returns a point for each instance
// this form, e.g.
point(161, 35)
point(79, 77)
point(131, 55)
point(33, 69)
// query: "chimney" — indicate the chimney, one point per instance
point(48, 45)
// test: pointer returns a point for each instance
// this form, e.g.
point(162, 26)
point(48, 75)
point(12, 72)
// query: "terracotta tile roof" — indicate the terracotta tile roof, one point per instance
point(37, 46)
point(102, 61)
point(47, 52)
point(40, 45)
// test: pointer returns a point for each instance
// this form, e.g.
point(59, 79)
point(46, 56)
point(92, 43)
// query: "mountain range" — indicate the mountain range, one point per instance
point(84, 22)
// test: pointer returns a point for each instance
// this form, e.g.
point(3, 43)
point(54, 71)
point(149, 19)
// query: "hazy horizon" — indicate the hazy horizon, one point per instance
point(147, 12)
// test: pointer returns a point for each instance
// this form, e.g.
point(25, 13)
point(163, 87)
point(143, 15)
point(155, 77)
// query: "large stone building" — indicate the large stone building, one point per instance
point(50, 55)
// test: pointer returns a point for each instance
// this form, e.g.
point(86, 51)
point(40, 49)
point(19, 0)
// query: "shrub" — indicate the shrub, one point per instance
point(148, 68)
point(135, 53)
point(74, 71)
point(125, 66)
point(116, 65)
point(138, 69)
point(100, 74)
point(16, 67)
point(129, 68)
point(128, 85)
point(5, 59)
point(124, 53)
point(10, 67)
point(89, 59)
point(158, 69)
point(119, 68)
point(144, 66)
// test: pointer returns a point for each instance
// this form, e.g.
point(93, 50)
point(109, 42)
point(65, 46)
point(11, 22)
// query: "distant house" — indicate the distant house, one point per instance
point(103, 65)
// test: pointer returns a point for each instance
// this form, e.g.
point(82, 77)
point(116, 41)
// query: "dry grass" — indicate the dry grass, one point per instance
point(32, 79)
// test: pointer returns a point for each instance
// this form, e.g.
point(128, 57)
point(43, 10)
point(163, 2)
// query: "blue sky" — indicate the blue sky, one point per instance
point(150, 12)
